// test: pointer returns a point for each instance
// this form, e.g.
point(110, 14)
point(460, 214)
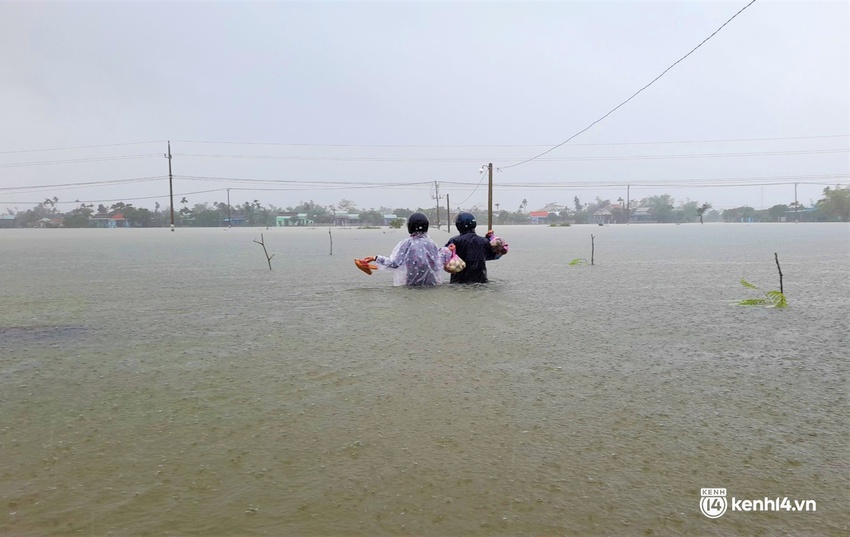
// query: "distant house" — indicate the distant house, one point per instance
point(538, 217)
point(391, 218)
point(602, 216)
point(642, 214)
point(50, 222)
point(7, 220)
point(106, 221)
point(346, 219)
point(235, 221)
point(293, 219)
point(803, 214)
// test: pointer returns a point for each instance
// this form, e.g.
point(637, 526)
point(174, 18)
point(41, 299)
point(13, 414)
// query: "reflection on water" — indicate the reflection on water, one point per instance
point(157, 383)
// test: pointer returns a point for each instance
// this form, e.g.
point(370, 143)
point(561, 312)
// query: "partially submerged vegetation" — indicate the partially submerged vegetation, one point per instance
point(774, 299)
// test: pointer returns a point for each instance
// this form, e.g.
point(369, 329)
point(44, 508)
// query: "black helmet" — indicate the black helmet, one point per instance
point(417, 223)
point(465, 222)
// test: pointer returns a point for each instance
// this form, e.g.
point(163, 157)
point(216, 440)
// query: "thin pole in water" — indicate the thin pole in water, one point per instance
point(448, 215)
point(170, 185)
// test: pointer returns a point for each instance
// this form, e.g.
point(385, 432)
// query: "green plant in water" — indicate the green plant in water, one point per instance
point(578, 261)
point(775, 299)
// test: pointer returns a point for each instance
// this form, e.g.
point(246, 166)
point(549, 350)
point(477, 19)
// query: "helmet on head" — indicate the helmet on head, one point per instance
point(417, 223)
point(465, 222)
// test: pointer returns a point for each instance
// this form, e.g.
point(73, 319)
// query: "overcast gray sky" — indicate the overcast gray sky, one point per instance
point(364, 95)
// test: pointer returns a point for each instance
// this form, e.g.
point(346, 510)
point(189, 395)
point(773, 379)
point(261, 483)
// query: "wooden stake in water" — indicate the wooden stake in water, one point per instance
point(592, 248)
point(262, 243)
point(331, 237)
point(776, 256)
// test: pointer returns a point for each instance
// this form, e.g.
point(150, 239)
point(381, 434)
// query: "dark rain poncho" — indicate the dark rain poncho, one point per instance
point(474, 250)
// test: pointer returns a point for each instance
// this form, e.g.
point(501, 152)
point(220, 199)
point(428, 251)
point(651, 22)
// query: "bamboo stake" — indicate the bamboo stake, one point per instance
point(776, 256)
point(332, 241)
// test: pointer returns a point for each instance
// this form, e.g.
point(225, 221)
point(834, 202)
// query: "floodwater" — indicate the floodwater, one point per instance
point(169, 383)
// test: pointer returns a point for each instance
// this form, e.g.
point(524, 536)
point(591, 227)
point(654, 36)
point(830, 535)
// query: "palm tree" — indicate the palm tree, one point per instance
point(524, 205)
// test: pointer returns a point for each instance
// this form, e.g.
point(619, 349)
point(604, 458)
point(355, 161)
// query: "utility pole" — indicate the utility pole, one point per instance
point(170, 186)
point(448, 215)
point(436, 196)
point(490, 196)
point(229, 218)
point(796, 205)
point(628, 187)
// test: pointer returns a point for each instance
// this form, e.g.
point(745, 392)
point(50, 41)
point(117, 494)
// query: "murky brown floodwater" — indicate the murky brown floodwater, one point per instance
point(158, 383)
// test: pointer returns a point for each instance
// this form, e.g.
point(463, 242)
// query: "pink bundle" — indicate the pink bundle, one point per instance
point(500, 247)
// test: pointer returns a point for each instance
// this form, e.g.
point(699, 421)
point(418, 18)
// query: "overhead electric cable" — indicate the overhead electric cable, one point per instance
point(635, 94)
point(77, 161)
point(80, 147)
point(551, 159)
point(465, 146)
point(87, 183)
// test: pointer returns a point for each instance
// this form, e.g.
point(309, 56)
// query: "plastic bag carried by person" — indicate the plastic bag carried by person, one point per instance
point(498, 244)
point(455, 264)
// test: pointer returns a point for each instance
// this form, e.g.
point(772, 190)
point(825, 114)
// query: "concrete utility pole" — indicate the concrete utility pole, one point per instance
point(170, 186)
point(436, 196)
point(796, 206)
point(229, 218)
point(448, 215)
point(490, 196)
point(627, 203)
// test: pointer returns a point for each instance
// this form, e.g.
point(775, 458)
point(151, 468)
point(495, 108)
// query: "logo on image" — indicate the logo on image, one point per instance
point(712, 502)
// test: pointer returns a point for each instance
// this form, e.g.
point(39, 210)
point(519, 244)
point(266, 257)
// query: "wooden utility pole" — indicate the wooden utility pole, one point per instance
point(490, 196)
point(170, 185)
point(628, 187)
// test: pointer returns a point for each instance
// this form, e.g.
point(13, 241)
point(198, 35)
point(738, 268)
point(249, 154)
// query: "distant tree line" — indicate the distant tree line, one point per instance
point(834, 206)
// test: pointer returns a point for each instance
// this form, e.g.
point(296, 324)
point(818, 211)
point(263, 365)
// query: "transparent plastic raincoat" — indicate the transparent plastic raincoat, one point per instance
point(416, 261)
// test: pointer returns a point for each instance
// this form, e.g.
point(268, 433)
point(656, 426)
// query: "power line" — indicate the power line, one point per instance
point(79, 147)
point(441, 159)
point(324, 185)
point(122, 199)
point(554, 159)
point(479, 146)
point(436, 146)
point(23, 189)
point(635, 93)
point(76, 161)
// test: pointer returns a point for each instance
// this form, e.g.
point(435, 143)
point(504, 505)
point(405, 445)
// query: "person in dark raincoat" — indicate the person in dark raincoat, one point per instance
point(474, 249)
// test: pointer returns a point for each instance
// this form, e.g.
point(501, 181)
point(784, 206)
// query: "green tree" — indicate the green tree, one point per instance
point(372, 218)
point(836, 203)
point(701, 210)
point(739, 214)
point(777, 212)
point(347, 206)
point(79, 217)
point(661, 207)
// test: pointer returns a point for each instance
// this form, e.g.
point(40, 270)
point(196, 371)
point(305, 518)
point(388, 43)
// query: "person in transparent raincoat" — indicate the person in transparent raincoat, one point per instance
point(417, 260)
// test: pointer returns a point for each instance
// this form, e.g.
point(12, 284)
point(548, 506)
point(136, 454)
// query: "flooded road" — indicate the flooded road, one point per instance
point(158, 383)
